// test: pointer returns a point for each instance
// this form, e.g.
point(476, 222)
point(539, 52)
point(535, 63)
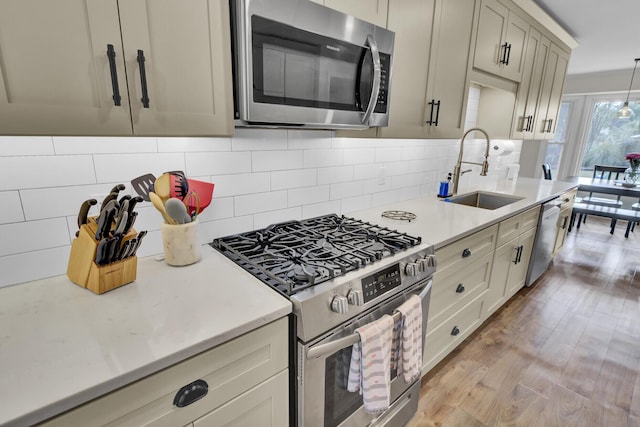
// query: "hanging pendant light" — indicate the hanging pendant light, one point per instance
point(625, 112)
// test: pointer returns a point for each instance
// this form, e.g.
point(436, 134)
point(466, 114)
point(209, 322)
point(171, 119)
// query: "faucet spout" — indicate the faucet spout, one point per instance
point(484, 164)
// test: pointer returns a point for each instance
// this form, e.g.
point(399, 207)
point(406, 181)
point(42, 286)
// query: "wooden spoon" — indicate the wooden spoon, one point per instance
point(162, 187)
point(159, 205)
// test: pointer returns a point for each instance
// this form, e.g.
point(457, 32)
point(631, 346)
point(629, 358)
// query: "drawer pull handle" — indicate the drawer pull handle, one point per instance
point(455, 331)
point(466, 253)
point(191, 393)
point(460, 288)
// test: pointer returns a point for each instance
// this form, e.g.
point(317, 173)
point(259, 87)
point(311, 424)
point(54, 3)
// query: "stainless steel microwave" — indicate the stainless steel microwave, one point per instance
point(300, 64)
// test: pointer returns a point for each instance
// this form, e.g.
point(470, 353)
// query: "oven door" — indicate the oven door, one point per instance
point(323, 367)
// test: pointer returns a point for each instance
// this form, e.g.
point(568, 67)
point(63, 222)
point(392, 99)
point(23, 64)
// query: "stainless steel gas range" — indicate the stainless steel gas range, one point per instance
point(340, 273)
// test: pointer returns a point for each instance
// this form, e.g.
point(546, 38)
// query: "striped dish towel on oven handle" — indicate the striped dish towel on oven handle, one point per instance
point(369, 372)
point(410, 358)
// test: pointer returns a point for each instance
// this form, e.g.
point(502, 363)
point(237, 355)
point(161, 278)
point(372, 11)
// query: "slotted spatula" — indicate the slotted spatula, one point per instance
point(143, 185)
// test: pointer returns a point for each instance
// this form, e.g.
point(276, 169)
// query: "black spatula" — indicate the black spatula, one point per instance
point(143, 185)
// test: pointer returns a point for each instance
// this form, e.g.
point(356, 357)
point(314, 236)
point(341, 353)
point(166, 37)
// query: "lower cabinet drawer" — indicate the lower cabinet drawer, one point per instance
point(229, 370)
point(455, 288)
point(466, 250)
point(264, 405)
point(440, 341)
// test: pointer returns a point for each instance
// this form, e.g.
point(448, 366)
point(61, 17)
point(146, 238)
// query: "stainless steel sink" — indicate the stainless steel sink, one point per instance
point(484, 200)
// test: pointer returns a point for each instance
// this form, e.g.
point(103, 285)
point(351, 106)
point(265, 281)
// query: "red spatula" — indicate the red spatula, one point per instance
point(199, 196)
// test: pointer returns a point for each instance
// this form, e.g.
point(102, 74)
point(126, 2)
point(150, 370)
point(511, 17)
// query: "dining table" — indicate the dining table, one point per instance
point(604, 186)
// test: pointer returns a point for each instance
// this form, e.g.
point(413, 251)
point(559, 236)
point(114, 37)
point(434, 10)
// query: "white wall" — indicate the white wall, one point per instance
point(261, 177)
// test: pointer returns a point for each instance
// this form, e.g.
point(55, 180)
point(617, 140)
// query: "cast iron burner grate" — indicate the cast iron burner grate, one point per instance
point(399, 215)
point(296, 255)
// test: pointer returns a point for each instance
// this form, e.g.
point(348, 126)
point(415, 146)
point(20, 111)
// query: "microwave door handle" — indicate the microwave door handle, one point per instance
point(349, 340)
point(375, 91)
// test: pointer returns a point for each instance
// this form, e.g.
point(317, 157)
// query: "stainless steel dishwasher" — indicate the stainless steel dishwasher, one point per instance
point(545, 240)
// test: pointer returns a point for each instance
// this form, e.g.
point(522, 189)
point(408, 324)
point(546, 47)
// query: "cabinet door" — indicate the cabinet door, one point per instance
point(529, 89)
point(551, 92)
point(448, 81)
point(516, 40)
point(492, 27)
point(264, 405)
point(54, 69)
point(563, 228)
point(374, 11)
point(412, 22)
point(504, 256)
point(518, 270)
point(187, 59)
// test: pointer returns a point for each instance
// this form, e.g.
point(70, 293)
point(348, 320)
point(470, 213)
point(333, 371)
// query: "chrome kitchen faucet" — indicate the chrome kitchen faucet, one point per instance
point(484, 164)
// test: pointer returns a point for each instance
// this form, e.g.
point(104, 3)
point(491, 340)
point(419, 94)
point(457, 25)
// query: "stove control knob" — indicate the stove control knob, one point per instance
point(431, 260)
point(339, 304)
point(411, 269)
point(423, 263)
point(355, 297)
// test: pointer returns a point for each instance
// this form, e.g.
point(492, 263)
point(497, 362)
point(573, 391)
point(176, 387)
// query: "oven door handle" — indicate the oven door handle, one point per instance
point(377, 67)
point(349, 340)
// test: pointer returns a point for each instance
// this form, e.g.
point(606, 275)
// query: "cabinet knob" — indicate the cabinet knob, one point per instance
point(466, 253)
point(460, 288)
point(455, 331)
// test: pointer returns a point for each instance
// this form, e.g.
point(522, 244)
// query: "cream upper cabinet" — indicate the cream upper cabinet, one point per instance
point(54, 68)
point(501, 40)
point(374, 11)
point(551, 93)
point(529, 89)
point(430, 68)
point(65, 78)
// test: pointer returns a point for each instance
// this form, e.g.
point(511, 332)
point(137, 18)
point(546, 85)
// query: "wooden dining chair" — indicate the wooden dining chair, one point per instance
point(546, 170)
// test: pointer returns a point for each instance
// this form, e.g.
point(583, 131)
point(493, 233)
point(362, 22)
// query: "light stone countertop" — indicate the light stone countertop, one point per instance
point(440, 223)
point(62, 345)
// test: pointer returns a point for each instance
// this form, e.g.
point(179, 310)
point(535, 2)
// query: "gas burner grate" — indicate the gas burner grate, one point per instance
point(293, 256)
point(399, 215)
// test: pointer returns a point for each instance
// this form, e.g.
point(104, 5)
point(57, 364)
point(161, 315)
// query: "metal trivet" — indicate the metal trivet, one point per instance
point(399, 215)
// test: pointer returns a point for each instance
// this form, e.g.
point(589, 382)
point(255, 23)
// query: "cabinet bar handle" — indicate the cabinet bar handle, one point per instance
point(437, 113)
point(504, 54)
point(549, 125)
point(564, 222)
point(143, 80)
point(508, 54)
point(432, 103)
point(111, 54)
point(529, 124)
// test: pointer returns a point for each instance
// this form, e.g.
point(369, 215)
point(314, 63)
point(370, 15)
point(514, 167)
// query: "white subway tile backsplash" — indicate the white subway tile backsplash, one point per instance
point(322, 158)
point(344, 190)
point(356, 203)
point(276, 160)
point(376, 185)
point(45, 171)
point(262, 202)
point(220, 208)
point(11, 207)
point(409, 180)
point(259, 139)
point(388, 154)
point(384, 198)
point(308, 195)
point(225, 227)
point(282, 180)
point(317, 209)
point(186, 145)
point(367, 171)
point(309, 139)
point(200, 164)
point(26, 146)
point(335, 174)
point(261, 220)
point(103, 145)
point(33, 235)
point(122, 168)
point(396, 168)
point(53, 202)
point(34, 265)
point(358, 156)
point(413, 152)
point(241, 183)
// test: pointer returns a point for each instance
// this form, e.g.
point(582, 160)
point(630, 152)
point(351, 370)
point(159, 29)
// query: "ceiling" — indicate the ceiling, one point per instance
point(607, 32)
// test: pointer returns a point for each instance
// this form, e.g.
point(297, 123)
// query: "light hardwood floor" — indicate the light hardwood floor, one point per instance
point(565, 352)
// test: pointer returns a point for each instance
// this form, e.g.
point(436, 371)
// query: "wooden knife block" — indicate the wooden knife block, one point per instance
point(83, 271)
